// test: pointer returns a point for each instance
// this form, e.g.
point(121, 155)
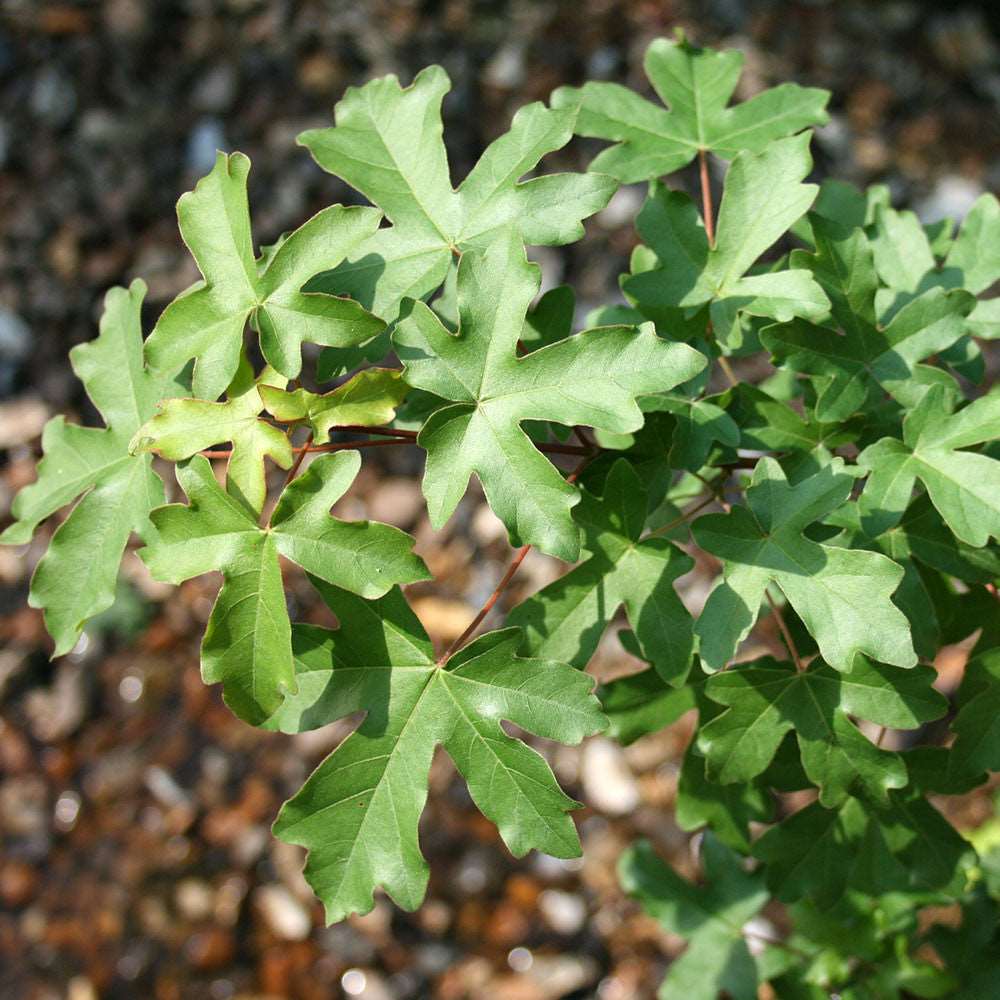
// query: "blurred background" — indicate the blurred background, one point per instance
point(134, 809)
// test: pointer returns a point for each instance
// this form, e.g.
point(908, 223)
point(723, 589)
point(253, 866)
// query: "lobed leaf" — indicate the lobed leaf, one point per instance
point(358, 812)
point(696, 86)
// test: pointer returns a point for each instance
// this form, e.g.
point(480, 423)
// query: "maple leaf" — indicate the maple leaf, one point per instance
point(566, 619)
point(642, 703)
point(906, 261)
point(358, 812)
point(768, 699)
point(763, 196)
point(183, 427)
point(976, 749)
point(710, 917)
point(75, 579)
point(368, 399)
point(208, 320)
point(819, 853)
point(592, 378)
point(696, 85)
point(387, 143)
point(962, 485)
point(841, 595)
point(247, 644)
point(852, 364)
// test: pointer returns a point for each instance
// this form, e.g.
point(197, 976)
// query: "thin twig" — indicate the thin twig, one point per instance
point(785, 634)
point(727, 370)
point(515, 564)
point(705, 501)
point(708, 211)
point(487, 606)
point(310, 449)
point(706, 197)
point(551, 448)
point(385, 431)
point(297, 464)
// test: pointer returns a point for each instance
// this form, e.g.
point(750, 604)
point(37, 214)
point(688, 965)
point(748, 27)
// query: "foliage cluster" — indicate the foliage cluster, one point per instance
point(850, 500)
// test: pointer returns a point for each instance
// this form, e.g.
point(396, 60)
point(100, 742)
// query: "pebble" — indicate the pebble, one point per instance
point(23, 806)
point(194, 898)
point(608, 783)
point(951, 198)
point(21, 420)
point(287, 918)
point(216, 90)
point(53, 98)
point(205, 140)
point(211, 948)
point(564, 912)
point(57, 711)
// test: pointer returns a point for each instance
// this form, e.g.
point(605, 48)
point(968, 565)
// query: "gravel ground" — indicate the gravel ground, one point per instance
point(134, 809)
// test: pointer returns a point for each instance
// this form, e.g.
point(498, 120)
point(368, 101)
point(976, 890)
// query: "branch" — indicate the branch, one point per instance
point(301, 452)
point(402, 437)
point(706, 197)
point(515, 564)
point(785, 634)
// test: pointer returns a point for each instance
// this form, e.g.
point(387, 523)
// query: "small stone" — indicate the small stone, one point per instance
point(194, 898)
point(506, 69)
point(56, 712)
point(559, 975)
point(287, 918)
point(623, 207)
point(444, 619)
point(564, 912)
point(53, 97)
point(23, 806)
point(205, 140)
point(216, 90)
point(396, 500)
point(212, 948)
point(15, 336)
point(951, 198)
point(21, 420)
point(18, 882)
point(608, 782)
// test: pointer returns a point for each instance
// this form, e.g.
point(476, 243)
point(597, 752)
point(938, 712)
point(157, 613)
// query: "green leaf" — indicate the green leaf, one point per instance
point(387, 143)
point(841, 595)
point(710, 917)
point(768, 699)
point(698, 425)
point(820, 853)
point(358, 812)
point(976, 725)
point(551, 318)
point(247, 645)
point(592, 378)
point(962, 485)
point(905, 259)
point(695, 85)
point(183, 427)
point(727, 810)
point(207, 322)
point(922, 534)
point(565, 620)
point(642, 703)
point(769, 424)
point(75, 579)
point(368, 399)
point(763, 196)
point(850, 365)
